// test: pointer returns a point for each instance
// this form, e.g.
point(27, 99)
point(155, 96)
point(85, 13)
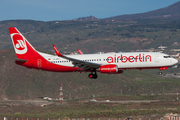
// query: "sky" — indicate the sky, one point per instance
point(52, 10)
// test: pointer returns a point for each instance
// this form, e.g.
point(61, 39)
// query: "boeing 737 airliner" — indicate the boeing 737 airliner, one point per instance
point(110, 63)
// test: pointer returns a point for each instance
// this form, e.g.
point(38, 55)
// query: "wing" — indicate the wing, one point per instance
point(83, 65)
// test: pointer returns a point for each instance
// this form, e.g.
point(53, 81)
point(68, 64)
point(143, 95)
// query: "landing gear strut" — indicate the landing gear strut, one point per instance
point(91, 75)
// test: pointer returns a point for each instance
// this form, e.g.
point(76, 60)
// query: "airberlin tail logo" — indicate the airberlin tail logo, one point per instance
point(19, 44)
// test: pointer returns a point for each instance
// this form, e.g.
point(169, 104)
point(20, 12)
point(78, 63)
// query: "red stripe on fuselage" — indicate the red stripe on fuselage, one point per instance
point(46, 65)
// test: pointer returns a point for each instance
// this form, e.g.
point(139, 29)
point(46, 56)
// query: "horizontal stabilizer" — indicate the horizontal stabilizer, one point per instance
point(20, 60)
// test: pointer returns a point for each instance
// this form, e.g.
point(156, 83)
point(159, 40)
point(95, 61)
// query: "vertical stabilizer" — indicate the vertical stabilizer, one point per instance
point(23, 48)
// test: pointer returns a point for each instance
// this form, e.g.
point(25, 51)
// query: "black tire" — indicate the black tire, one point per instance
point(160, 73)
point(95, 76)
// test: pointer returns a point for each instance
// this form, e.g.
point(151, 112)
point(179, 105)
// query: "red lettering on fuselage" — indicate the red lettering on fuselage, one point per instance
point(110, 59)
point(131, 59)
point(123, 59)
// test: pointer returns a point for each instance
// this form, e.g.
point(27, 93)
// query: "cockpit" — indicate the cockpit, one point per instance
point(167, 56)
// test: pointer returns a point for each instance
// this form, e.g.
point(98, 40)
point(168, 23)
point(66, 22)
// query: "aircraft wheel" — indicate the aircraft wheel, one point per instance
point(160, 73)
point(90, 76)
point(95, 76)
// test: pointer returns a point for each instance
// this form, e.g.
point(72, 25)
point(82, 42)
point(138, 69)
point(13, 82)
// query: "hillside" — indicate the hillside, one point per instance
point(119, 33)
point(90, 36)
point(17, 82)
point(94, 36)
point(87, 18)
point(170, 12)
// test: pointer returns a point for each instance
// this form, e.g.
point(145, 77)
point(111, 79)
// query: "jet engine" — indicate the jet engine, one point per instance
point(110, 69)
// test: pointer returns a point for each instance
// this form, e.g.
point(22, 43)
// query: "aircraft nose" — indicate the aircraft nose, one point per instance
point(175, 61)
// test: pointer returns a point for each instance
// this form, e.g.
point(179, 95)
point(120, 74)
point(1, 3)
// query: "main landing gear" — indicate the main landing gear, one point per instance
point(93, 75)
point(160, 73)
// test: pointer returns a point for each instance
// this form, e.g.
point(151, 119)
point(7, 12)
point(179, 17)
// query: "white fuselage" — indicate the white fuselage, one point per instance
point(131, 60)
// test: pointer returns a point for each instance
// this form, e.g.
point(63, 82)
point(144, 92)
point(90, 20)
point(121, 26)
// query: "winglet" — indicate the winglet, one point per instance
point(80, 52)
point(57, 51)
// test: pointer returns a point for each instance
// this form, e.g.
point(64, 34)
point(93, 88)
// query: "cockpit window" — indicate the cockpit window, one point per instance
point(167, 56)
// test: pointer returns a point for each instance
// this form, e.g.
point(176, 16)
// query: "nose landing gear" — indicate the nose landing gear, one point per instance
point(91, 75)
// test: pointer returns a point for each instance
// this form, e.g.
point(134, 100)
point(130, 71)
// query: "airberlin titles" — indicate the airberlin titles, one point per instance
point(122, 58)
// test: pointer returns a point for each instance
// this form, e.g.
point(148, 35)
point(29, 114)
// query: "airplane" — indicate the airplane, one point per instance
point(109, 63)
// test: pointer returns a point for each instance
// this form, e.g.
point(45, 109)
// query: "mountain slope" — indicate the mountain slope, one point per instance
point(94, 36)
point(169, 12)
point(17, 82)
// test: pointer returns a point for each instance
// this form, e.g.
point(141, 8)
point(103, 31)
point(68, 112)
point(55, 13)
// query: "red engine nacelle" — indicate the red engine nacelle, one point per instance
point(110, 69)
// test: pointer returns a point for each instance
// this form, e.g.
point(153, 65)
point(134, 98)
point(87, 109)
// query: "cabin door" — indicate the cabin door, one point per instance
point(157, 58)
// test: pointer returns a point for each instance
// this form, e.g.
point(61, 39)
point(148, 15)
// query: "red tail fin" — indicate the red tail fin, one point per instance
point(23, 48)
